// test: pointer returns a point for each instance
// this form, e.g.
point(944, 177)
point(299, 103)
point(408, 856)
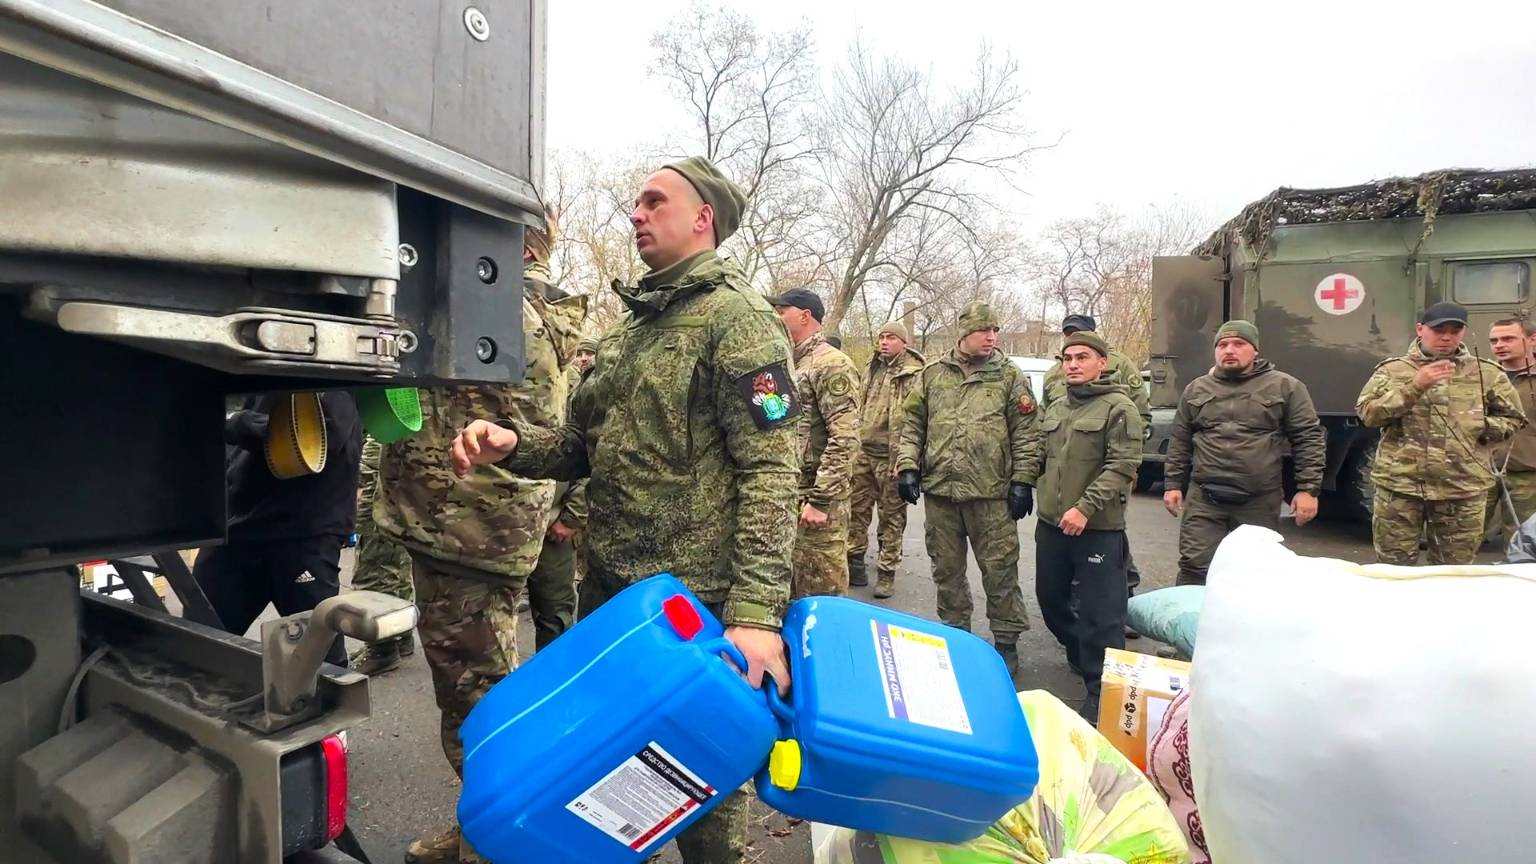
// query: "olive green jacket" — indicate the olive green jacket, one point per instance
point(1233, 429)
point(1437, 443)
point(886, 385)
point(970, 431)
point(686, 426)
point(1089, 455)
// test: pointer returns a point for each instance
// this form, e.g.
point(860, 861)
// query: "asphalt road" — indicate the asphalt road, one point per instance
point(402, 787)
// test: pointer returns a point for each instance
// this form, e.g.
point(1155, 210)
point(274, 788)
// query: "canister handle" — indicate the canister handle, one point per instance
point(722, 645)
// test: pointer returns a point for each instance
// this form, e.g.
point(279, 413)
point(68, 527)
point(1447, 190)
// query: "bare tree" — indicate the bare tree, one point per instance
point(748, 95)
point(1101, 265)
point(595, 244)
point(894, 150)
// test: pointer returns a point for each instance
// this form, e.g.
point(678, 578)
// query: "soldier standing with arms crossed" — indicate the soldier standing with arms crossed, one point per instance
point(1512, 341)
point(686, 427)
point(828, 433)
point(887, 382)
point(1440, 411)
point(1228, 442)
point(1087, 463)
point(970, 442)
point(474, 541)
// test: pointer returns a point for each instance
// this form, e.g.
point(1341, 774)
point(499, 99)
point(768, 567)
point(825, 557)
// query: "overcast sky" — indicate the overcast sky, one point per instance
point(1201, 103)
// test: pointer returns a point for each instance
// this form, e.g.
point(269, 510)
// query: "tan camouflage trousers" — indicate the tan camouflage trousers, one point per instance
point(1522, 492)
point(994, 540)
point(1454, 528)
point(468, 632)
point(720, 836)
point(821, 556)
point(875, 489)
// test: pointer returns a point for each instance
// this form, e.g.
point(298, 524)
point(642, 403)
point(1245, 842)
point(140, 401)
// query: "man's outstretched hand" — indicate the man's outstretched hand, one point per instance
point(481, 443)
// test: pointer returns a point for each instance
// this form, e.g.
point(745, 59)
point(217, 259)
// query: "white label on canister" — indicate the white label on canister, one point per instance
point(639, 801)
point(919, 681)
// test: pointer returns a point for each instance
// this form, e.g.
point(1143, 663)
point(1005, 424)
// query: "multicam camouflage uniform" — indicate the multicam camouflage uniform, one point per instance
point(886, 385)
point(475, 541)
point(828, 432)
point(970, 431)
point(685, 426)
point(1434, 462)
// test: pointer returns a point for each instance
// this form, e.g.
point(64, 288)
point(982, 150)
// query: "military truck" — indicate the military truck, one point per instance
point(201, 198)
point(1335, 279)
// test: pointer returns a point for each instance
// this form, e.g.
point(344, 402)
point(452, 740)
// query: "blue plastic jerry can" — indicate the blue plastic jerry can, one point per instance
point(614, 738)
point(895, 725)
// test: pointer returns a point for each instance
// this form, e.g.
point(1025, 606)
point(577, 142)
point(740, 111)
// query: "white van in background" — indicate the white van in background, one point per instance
point(1034, 368)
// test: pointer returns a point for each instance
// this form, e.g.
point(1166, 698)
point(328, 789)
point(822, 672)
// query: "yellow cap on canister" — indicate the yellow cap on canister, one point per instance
point(784, 765)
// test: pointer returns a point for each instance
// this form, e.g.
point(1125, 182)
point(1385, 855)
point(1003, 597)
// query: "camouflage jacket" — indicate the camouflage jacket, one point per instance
point(1233, 430)
point(970, 431)
point(686, 426)
point(1436, 443)
point(1090, 453)
point(886, 385)
point(492, 520)
point(571, 498)
point(1121, 370)
point(828, 430)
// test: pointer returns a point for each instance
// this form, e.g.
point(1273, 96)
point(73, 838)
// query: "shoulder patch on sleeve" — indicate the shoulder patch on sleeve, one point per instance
point(1026, 403)
point(769, 392)
point(838, 384)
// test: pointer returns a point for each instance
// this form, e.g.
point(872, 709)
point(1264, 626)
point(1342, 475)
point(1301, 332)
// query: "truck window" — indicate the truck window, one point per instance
point(1490, 282)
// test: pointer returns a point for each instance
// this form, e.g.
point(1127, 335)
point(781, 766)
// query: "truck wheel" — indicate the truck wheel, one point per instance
point(1359, 491)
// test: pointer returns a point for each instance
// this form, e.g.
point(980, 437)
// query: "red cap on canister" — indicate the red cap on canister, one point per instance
point(682, 616)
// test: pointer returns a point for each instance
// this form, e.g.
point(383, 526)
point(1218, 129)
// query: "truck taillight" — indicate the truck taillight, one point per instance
point(334, 752)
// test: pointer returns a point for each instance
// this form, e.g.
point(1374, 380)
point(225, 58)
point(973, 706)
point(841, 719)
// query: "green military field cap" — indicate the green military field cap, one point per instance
point(1239, 328)
point(894, 328)
point(1086, 338)
point(717, 190)
point(587, 344)
point(978, 315)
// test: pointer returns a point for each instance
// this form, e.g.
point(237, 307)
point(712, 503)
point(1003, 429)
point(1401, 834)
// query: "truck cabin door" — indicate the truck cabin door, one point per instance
point(1188, 304)
point(1491, 290)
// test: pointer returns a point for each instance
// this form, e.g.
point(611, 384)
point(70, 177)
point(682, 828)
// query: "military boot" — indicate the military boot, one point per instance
point(442, 849)
point(1009, 651)
point(885, 584)
point(376, 658)
point(857, 577)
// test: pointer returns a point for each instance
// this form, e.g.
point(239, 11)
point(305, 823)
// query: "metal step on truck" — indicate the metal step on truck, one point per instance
point(1335, 280)
point(201, 198)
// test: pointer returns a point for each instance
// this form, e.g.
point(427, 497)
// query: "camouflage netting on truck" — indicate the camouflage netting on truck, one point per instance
point(1425, 196)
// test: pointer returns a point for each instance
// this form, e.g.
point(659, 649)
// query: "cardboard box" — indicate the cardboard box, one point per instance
point(1137, 691)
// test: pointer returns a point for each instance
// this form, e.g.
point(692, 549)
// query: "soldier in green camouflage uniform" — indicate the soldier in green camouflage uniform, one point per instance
point(475, 541)
point(892, 370)
point(686, 428)
point(1440, 411)
point(828, 433)
point(380, 564)
point(970, 441)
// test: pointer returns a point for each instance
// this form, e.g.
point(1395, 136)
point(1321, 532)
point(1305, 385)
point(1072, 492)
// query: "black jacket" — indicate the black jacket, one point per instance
point(262, 507)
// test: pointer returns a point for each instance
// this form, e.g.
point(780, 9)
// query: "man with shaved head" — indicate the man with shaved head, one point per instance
point(686, 427)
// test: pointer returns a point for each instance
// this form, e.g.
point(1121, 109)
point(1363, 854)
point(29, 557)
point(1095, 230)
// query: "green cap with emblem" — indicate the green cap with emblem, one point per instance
point(1088, 339)
point(717, 190)
point(978, 315)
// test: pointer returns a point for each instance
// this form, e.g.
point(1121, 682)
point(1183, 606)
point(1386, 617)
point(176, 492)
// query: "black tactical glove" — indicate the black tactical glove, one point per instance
point(909, 485)
point(1021, 501)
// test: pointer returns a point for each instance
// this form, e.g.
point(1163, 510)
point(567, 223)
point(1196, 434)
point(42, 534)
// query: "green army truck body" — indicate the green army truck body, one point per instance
point(1335, 280)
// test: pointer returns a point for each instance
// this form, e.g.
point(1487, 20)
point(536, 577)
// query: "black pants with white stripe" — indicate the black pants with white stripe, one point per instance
point(240, 578)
